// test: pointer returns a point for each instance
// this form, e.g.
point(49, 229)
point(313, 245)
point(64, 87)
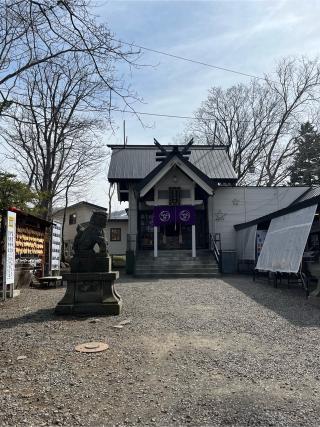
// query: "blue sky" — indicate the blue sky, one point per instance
point(249, 36)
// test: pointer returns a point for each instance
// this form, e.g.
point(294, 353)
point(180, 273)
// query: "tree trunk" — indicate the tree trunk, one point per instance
point(63, 256)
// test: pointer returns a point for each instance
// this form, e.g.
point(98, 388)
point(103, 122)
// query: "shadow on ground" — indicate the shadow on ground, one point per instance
point(39, 316)
point(288, 302)
point(46, 315)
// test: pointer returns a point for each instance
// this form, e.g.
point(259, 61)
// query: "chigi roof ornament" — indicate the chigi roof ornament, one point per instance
point(182, 150)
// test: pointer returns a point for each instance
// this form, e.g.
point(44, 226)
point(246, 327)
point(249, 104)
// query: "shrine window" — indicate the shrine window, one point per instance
point(115, 234)
point(72, 218)
point(174, 196)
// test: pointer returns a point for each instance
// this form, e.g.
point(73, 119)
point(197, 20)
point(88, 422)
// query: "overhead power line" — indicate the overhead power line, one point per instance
point(170, 116)
point(194, 61)
point(173, 116)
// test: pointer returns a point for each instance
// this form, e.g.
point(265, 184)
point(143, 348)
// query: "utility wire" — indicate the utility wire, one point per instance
point(173, 116)
point(194, 61)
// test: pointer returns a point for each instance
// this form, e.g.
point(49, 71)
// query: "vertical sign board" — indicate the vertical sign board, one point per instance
point(261, 237)
point(10, 253)
point(56, 246)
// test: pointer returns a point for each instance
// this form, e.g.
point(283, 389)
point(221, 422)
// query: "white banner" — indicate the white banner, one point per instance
point(56, 246)
point(246, 243)
point(10, 255)
point(286, 240)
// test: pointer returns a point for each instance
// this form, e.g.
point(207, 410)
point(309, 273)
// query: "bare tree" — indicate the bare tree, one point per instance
point(54, 138)
point(34, 32)
point(111, 191)
point(255, 121)
point(77, 178)
point(296, 90)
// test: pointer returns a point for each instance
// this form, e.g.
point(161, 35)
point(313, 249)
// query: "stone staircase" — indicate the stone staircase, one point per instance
point(176, 263)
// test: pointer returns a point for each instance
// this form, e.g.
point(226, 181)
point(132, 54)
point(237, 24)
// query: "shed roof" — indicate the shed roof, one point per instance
point(308, 198)
point(28, 215)
point(82, 203)
point(119, 215)
point(137, 161)
point(311, 193)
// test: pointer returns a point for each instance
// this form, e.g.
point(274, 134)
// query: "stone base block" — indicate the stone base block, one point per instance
point(90, 294)
point(314, 297)
point(314, 300)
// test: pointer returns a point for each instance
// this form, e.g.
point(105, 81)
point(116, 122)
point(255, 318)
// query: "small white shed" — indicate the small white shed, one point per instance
point(116, 233)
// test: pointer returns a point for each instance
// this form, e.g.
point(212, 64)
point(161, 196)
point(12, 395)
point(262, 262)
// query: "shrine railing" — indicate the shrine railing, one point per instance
point(215, 247)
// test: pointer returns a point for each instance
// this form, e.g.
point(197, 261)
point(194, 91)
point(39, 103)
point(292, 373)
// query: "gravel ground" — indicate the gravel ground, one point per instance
point(197, 352)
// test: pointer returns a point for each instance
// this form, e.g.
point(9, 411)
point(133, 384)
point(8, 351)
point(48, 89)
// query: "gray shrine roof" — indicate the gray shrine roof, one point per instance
point(135, 162)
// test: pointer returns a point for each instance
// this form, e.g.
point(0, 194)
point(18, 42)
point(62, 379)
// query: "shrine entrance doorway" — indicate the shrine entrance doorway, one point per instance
point(175, 236)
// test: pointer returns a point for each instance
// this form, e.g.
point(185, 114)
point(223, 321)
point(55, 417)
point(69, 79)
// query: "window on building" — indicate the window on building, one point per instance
point(185, 194)
point(73, 218)
point(115, 234)
point(163, 194)
point(68, 248)
point(174, 195)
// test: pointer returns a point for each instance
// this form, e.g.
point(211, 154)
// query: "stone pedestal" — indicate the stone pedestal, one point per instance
point(314, 297)
point(90, 294)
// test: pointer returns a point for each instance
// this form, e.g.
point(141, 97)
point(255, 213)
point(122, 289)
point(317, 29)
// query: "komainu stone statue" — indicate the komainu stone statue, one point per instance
point(90, 285)
point(90, 246)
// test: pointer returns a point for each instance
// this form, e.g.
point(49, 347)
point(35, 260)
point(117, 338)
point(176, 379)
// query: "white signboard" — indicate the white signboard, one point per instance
point(56, 246)
point(10, 255)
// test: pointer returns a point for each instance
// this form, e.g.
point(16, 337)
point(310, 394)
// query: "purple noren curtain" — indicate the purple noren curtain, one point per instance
point(165, 215)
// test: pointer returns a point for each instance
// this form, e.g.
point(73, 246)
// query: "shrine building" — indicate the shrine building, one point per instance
point(184, 208)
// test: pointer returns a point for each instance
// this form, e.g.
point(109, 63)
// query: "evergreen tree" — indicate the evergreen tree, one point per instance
point(14, 193)
point(305, 169)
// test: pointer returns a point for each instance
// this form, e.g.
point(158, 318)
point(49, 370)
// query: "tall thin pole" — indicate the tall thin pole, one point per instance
point(215, 132)
point(193, 236)
point(155, 241)
point(124, 133)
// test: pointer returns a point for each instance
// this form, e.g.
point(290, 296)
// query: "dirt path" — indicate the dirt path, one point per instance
point(197, 352)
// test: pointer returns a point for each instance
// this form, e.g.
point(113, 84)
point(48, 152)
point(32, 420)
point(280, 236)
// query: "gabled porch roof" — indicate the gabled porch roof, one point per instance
point(175, 159)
